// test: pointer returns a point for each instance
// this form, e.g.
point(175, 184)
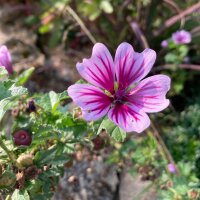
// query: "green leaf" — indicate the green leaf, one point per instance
point(24, 76)
point(3, 72)
point(50, 101)
point(18, 91)
point(20, 195)
point(45, 156)
point(171, 58)
point(106, 124)
point(4, 106)
point(118, 134)
point(114, 131)
point(45, 28)
point(7, 94)
point(106, 6)
point(7, 179)
point(54, 99)
point(183, 50)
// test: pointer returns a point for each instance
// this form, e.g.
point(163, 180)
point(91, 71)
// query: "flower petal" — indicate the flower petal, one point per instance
point(93, 102)
point(130, 66)
point(149, 94)
point(99, 69)
point(129, 118)
point(5, 59)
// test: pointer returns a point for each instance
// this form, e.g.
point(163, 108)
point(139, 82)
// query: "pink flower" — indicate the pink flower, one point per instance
point(171, 168)
point(5, 59)
point(181, 37)
point(164, 43)
point(114, 87)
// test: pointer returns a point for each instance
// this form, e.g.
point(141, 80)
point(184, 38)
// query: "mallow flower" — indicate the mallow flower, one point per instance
point(116, 87)
point(171, 168)
point(5, 59)
point(181, 37)
point(164, 43)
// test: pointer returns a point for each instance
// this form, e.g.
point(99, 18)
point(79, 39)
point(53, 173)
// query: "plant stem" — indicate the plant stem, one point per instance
point(81, 23)
point(163, 148)
point(3, 146)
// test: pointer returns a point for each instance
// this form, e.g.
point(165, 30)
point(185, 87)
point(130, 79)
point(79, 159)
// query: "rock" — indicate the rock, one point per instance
point(88, 179)
point(132, 187)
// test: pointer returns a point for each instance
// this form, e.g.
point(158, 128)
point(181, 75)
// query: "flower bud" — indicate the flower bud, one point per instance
point(24, 160)
point(171, 168)
point(98, 143)
point(22, 137)
point(164, 43)
point(31, 106)
point(193, 194)
point(15, 112)
point(5, 59)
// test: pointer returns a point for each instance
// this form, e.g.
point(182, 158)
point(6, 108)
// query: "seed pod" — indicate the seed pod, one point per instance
point(98, 143)
point(31, 106)
point(15, 112)
point(24, 160)
point(22, 137)
point(7, 179)
point(31, 172)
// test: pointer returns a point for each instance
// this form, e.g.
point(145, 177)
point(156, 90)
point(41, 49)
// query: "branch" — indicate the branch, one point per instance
point(81, 24)
point(139, 35)
point(176, 18)
point(183, 66)
point(163, 148)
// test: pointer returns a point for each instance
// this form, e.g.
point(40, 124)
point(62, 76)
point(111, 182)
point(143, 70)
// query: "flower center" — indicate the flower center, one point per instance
point(119, 96)
point(181, 38)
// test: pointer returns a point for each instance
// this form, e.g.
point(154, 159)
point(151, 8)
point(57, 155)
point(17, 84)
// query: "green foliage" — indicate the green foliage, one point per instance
point(117, 133)
point(56, 129)
point(186, 131)
point(20, 195)
point(24, 76)
point(9, 91)
point(95, 8)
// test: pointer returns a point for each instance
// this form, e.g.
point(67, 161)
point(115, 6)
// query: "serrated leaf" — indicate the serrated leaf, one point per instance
point(8, 91)
point(18, 91)
point(20, 195)
point(50, 101)
point(4, 106)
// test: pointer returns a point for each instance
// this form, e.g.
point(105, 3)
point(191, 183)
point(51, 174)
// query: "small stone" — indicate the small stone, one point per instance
point(79, 155)
point(72, 179)
point(89, 170)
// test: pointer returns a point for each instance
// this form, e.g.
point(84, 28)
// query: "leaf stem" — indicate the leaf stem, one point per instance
point(163, 148)
point(81, 23)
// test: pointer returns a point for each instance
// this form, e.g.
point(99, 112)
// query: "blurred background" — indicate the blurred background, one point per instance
point(53, 35)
